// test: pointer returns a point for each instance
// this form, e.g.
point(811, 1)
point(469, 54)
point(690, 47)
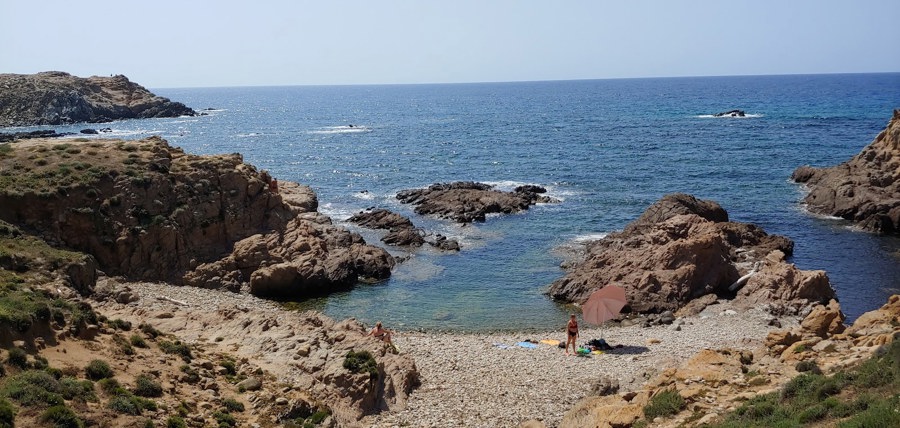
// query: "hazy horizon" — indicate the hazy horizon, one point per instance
point(231, 43)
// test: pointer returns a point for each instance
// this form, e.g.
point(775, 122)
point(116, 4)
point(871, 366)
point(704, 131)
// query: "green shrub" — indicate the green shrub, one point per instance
point(147, 387)
point(98, 369)
point(665, 403)
point(233, 405)
point(362, 361)
point(319, 416)
point(78, 390)
point(881, 414)
point(7, 413)
point(137, 340)
point(119, 324)
point(176, 348)
point(33, 388)
point(808, 366)
point(225, 420)
point(192, 375)
point(175, 422)
point(62, 417)
point(17, 357)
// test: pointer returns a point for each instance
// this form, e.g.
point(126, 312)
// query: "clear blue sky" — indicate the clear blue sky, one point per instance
point(164, 43)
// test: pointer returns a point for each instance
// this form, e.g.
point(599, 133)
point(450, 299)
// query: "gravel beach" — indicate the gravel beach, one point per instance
point(487, 380)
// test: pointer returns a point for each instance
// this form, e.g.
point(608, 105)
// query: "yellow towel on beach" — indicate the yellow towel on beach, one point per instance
point(597, 352)
point(550, 342)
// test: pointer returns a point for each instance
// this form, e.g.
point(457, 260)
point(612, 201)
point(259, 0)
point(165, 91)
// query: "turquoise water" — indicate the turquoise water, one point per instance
point(606, 148)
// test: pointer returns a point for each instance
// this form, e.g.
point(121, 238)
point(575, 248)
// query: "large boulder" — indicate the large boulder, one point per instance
point(467, 202)
point(55, 98)
point(865, 189)
point(683, 249)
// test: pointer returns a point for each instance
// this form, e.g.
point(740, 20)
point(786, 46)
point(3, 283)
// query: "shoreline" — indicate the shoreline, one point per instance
point(468, 381)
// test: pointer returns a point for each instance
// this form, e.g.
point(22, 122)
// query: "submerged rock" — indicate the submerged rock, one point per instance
point(467, 202)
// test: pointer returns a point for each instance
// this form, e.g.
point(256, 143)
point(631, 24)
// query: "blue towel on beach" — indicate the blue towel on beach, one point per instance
point(528, 345)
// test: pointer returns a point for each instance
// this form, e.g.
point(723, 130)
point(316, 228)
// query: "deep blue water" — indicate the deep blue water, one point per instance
point(607, 148)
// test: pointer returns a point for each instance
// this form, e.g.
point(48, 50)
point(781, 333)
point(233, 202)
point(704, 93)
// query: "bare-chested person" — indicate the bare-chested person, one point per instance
point(572, 334)
point(381, 333)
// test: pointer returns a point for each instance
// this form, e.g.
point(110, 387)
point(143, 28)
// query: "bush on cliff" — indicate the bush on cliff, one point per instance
point(362, 361)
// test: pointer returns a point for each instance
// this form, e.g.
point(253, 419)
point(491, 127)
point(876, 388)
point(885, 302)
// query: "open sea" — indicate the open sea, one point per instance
point(606, 148)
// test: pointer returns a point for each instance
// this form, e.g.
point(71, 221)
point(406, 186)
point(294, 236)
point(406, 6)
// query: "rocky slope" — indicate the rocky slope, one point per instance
point(683, 253)
point(865, 189)
point(716, 381)
point(146, 210)
point(55, 98)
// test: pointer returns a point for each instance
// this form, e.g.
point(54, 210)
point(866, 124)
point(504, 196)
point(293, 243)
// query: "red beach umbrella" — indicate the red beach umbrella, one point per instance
point(604, 304)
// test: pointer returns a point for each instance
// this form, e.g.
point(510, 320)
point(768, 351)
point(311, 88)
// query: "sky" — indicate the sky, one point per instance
point(173, 44)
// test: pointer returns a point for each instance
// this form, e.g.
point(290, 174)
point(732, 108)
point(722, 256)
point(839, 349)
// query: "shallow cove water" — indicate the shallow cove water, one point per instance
point(606, 148)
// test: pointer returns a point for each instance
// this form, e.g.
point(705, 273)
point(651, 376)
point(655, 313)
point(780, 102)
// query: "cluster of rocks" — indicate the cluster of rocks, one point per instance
point(401, 230)
point(304, 350)
point(467, 202)
point(865, 189)
point(731, 113)
point(55, 98)
point(683, 254)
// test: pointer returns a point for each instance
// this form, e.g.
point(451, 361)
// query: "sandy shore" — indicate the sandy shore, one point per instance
point(486, 380)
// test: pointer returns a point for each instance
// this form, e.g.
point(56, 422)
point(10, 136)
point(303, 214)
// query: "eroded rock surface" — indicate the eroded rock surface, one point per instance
point(682, 249)
point(55, 98)
point(146, 210)
point(865, 189)
point(467, 202)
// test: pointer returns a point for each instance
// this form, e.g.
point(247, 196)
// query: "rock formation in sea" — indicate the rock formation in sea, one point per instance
point(55, 98)
point(467, 202)
point(864, 189)
point(683, 253)
point(149, 211)
point(401, 230)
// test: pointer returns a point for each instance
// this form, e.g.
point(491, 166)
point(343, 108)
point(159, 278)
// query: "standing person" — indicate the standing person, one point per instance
point(572, 334)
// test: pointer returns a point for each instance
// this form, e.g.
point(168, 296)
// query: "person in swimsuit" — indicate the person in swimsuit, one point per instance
point(381, 333)
point(571, 334)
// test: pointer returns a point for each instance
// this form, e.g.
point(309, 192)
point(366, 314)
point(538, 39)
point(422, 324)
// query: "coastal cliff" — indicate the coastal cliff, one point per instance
point(56, 98)
point(865, 189)
point(149, 211)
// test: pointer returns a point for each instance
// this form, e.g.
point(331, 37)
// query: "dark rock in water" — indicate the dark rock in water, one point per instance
point(443, 243)
point(731, 113)
point(55, 98)
point(865, 189)
point(401, 230)
point(49, 133)
point(684, 249)
point(89, 131)
point(467, 202)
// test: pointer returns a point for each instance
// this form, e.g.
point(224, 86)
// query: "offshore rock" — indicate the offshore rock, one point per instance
point(148, 211)
point(55, 98)
point(401, 230)
point(865, 189)
point(682, 249)
point(467, 202)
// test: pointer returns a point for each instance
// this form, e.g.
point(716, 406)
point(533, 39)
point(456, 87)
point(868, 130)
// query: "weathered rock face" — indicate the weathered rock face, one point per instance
point(467, 202)
point(682, 249)
point(865, 189)
point(54, 98)
point(149, 211)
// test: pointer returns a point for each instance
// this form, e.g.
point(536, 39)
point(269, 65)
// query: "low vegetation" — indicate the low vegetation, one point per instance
point(665, 403)
point(361, 362)
point(866, 396)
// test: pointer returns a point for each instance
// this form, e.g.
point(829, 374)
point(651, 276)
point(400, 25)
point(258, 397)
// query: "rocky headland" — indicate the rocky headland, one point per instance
point(56, 98)
point(145, 210)
point(864, 189)
point(683, 253)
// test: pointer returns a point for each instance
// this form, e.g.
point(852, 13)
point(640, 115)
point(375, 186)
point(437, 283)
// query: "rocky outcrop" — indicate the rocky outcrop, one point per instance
point(467, 202)
point(401, 230)
point(149, 211)
point(716, 381)
point(55, 98)
point(731, 113)
point(306, 350)
point(865, 189)
point(13, 136)
point(682, 249)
